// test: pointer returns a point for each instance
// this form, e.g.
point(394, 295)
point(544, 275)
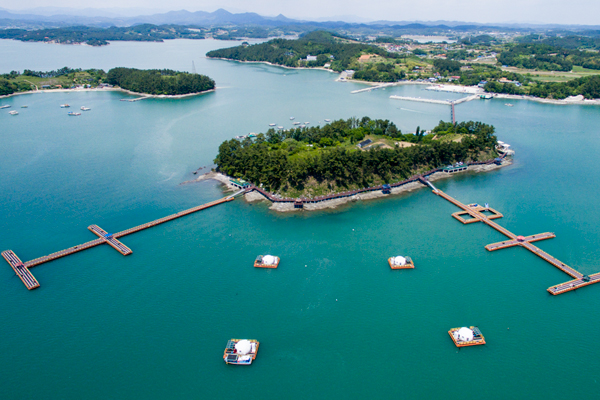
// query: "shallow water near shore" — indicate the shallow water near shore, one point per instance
point(333, 320)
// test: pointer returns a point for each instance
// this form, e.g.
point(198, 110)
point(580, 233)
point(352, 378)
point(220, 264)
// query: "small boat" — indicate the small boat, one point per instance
point(306, 123)
point(464, 336)
point(240, 351)
point(267, 261)
point(280, 127)
point(401, 262)
point(327, 120)
point(508, 105)
point(296, 123)
point(292, 118)
point(73, 114)
point(13, 112)
point(24, 106)
point(85, 108)
point(64, 106)
point(302, 126)
point(272, 124)
point(6, 106)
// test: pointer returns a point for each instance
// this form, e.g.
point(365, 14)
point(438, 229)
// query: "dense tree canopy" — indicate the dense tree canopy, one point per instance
point(290, 52)
point(289, 160)
point(155, 81)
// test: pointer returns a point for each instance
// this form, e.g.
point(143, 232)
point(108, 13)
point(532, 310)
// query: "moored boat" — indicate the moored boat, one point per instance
point(64, 106)
point(73, 114)
point(267, 261)
point(272, 124)
point(240, 351)
point(5, 106)
point(292, 118)
point(327, 120)
point(83, 108)
point(401, 262)
point(13, 112)
point(463, 337)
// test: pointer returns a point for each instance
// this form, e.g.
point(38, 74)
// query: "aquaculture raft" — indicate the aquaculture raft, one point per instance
point(408, 265)
point(266, 262)
point(477, 338)
point(240, 351)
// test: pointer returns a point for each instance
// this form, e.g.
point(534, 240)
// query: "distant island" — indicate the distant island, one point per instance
point(315, 49)
point(163, 82)
point(350, 154)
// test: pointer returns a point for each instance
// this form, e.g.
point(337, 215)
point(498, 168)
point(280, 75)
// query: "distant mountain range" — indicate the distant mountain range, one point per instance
point(60, 17)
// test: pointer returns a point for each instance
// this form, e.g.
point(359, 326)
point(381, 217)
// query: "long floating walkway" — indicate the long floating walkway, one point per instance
point(22, 269)
point(476, 212)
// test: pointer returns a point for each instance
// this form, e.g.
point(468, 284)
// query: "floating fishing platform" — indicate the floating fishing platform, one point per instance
point(463, 337)
point(476, 212)
point(396, 263)
point(266, 262)
point(22, 268)
point(240, 351)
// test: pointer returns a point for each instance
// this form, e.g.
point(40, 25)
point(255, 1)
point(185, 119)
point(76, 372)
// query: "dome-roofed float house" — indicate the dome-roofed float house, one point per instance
point(401, 262)
point(240, 351)
point(267, 261)
point(464, 336)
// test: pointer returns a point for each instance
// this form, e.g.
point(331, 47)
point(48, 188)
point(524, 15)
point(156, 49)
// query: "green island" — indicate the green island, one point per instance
point(151, 82)
point(350, 154)
point(159, 81)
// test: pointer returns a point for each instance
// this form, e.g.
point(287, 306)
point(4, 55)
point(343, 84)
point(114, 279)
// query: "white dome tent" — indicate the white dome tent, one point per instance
point(464, 334)
point(399, 260)
point(269, 260)
point(243, 347)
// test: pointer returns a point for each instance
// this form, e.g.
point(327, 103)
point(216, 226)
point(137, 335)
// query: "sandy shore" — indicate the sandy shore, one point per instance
point(335, 203)
point(113, 89)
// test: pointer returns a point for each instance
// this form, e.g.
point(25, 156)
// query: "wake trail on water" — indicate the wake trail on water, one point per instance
point(408, 109)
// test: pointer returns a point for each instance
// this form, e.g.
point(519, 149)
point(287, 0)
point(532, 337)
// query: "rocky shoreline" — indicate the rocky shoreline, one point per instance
point(255, 196)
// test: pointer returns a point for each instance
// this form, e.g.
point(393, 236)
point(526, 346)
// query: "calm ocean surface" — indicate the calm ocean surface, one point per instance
point(333, 320)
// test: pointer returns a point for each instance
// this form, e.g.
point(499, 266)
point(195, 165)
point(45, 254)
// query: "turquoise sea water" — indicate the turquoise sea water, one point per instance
point(333, 320)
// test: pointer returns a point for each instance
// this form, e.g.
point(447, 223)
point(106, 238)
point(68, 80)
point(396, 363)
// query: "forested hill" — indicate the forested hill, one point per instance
point(321, 160)
point(327, 47)
point(159, 81)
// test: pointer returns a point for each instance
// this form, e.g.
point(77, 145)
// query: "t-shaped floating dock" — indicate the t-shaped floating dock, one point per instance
point(476, 212)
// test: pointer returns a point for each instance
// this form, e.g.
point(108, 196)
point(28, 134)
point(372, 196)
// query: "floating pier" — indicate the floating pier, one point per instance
point(476, 212)
point(22, 269)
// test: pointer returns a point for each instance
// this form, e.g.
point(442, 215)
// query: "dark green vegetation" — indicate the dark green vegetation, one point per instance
point(327, 47)
point(588, 86)
point(380, 72)
point(100, 36)
point(548, 58)
point(159, 82)
point(319, 160)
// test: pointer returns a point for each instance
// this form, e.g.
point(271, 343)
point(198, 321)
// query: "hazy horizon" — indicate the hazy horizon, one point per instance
point(578, 12)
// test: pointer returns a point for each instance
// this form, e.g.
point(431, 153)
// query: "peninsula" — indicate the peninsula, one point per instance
point(154, 82)
point(350, 155)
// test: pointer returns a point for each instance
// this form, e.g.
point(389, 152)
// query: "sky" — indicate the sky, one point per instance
point(581, 12)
